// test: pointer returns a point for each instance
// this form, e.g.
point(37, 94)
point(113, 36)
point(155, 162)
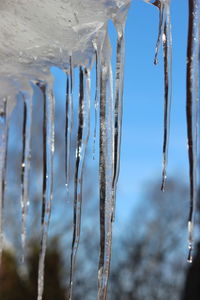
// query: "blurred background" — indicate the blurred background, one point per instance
point(149, 258)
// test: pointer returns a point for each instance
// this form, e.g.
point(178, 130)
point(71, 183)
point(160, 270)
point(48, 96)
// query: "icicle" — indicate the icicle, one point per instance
point(43, 90)
point(71, 66)
point(192, 109)
point(82, 140)
point(69, 121)
point(25, 166)
point(164, 35)
point(105, 171)
point(167, 53)
point(96, 104)
point(118, 112)
point(161, 4)
point(88, 88)
point(48, 138)
point(3, 160)
point(67, 142)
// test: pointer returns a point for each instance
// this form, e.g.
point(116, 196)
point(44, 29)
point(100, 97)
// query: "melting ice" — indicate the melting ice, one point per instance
point(74, 34)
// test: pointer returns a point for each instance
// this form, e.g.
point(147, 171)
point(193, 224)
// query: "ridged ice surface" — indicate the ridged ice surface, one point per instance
point(37, 34)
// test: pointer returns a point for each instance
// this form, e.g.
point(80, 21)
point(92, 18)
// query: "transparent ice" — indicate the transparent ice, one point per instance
point(36, 35)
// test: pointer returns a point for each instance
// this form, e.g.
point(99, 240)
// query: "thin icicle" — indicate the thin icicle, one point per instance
point(66, 131)
point(192, 109)
point(105, 171)
point(48, 131)
point(82, 140)
point(44, 129)
point(3, 161)
point(119, 82)
point(69, 121)
point(88, 88)
point(25, 166)
point(167, 54)
point(164, 36)
point(96, 102)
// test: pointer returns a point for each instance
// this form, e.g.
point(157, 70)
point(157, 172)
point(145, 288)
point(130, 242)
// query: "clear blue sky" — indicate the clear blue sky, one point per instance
point(141, 158)
point(143, 101)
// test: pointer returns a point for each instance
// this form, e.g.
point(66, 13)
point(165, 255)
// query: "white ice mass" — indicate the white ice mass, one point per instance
point(36, 35)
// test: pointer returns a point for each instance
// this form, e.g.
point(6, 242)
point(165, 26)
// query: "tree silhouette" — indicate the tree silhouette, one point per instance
point(148, 262)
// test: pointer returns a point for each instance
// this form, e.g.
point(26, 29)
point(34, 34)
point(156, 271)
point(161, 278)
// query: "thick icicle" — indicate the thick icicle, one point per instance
point(25, 166)
point(69, 121)
point(164, 36)
point(82, 140)
point(105, 170)
point(48, 142)
point(192, 109)
point(161, 4)
point(118, 111)
point(3, 160)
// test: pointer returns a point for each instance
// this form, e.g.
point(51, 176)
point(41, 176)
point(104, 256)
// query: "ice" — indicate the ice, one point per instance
point(48, 142)
point(36, 35)
point(96, 101)
point(82, 140)
point(167, 53)
point(69, 120)
point(67, 132)
point(25, 166)
point(3, 160)
point(192, 110)
point(164, 37)
point(162, 6)
point(119, 83)
point(105, 169)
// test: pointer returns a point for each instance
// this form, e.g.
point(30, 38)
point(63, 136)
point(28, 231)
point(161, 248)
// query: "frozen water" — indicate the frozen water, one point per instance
point(82, 140)
point(164, 37)
point(25, 166)
point(192, 111)
point(119, 83)
point(105, 169)
point(36, 35)
point(69, 121)
point(48, 151)
point(3, 159)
